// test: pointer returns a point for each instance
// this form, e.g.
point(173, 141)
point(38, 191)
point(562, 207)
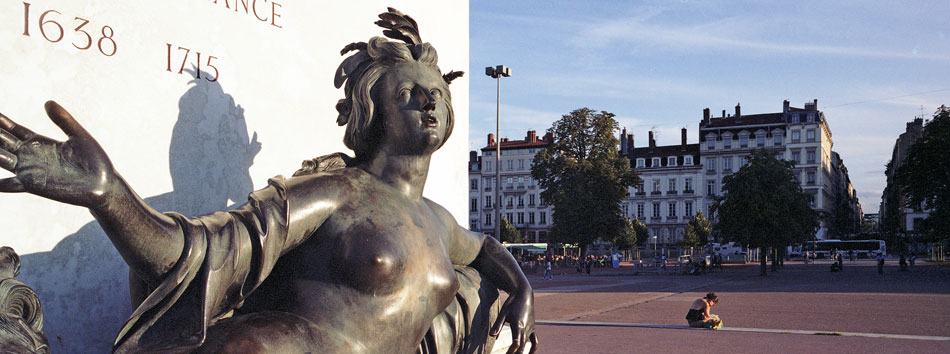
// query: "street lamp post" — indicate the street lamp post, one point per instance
point(496, 73)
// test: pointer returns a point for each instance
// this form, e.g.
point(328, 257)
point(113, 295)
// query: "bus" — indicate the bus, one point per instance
point(861, 248)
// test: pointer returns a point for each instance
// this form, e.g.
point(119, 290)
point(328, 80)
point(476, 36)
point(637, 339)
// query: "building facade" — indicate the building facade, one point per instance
point(895, 214)
point(521, 203)
point(669, 194)
point(800, 135)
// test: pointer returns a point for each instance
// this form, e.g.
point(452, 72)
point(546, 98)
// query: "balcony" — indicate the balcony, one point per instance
point(521, 186)
point(640, 193)
point(672, 219)
point(688, 191)
point(656, 219)
point(671, 192)
point(532, 187)
point(488, 189)
point(656, 193)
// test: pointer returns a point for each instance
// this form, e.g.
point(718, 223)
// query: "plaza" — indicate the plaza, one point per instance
point(803, 308)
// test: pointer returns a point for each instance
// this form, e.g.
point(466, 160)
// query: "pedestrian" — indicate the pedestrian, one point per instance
point(840, 262)
point(903, 263)
point(912, 259)
point(851, 255)
point(590, 262)
point(547, 272)
point(880, 263)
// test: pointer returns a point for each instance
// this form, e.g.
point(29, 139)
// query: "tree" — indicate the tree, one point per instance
point(763, 206)
point(924, 178)
point(584, 177)
point(698, 232)
point(633, 233)
point(509, 233)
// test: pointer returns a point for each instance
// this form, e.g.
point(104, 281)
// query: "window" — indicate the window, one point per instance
point(794, 118)
point(544, 218)
point(811, 178)
point(474, 184)
point(626, 209)
point(655, 162)
point(727, 163)
point(796, 156)
point(688, 206)
point(672, 185)
point(640, 188)
point(509, 217)
point(710, 143)
point(640, 211)
point(727, 142)
point(760, 140)
point(656, 210)
point(672, 207)
point(743, 141)
point(520, 181)
point(711, 164)
point(488, 165)
point(688, 160)
point(531, 218)
point(521, 201)
point(510, 164)
point(488, 183)
point(488, 201)
point(811, 117)
point(776, 139)
point(711, 187)
point(521, 164)
point(671, 161)
point(521, 217)
point(811, 156)
point(473, 225)
point(530, 199)
point(510, 203)
point(488, 219)
point(641, 163)
point(541, 199)
point(796, 136)
point(688, 185)
point(656, 186)
point(810, 135)
point(474, 204)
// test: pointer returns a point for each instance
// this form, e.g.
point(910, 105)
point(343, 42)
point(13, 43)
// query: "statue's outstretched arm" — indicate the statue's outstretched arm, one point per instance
point(77, 171)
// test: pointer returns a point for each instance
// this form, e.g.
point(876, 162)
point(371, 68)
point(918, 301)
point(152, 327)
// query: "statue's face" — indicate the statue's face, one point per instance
point(412, 98)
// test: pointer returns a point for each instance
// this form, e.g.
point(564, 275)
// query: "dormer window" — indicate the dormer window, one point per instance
point(688, 160)
point(727, 141)
point(743, 141)
point(656, 162)
point(641, 163)
point(671, 161)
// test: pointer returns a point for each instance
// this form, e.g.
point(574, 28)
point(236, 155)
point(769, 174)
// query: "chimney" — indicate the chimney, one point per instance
point(683, 133)
point(815, 104)
point(724, 113)
point(652, 142)
point(504, 140)
point(630, 141)
point(549, 137)
point(738, 111)
point(623, 142)
point(472, 156)
point(785, 106)
point(532, 136)
point(491, 139)
point(706, 115)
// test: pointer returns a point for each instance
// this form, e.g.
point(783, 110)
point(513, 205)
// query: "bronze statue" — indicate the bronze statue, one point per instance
point(346, 256)
point(21, 316)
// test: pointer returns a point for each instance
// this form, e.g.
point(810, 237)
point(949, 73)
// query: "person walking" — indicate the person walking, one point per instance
point(880, 264)
point(547, 272)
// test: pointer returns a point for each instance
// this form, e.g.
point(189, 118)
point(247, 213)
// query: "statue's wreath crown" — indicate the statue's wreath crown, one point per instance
point(397, 26)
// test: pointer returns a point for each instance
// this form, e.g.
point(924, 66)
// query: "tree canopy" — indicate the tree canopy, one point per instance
point(584, 178)
point(698, 231)
point(924, 178)
point(509, 233)
point(763, 205)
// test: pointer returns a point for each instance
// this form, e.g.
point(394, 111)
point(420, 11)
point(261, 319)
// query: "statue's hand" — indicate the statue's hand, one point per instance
point(76, 171)
point(518, 311)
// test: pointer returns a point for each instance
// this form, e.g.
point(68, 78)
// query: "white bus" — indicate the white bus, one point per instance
point(861, 248)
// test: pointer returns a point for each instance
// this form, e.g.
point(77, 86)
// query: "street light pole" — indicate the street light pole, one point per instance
point(496, 73)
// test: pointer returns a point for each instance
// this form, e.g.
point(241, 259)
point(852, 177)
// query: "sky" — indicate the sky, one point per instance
point(873, 66)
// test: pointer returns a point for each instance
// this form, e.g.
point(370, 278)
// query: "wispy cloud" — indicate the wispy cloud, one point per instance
point(723, 34)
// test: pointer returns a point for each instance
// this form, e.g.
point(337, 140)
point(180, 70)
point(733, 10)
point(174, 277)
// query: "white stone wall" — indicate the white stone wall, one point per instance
point(186, 143)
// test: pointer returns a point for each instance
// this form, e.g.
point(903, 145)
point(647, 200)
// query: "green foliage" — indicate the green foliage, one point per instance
point(763, 205)
point(584, 177)
point(924, 178)
point(628, 237)
point(509, 233)
point(698, 232)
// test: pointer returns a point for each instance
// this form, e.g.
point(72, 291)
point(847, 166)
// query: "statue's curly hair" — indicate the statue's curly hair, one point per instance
point(360, 72)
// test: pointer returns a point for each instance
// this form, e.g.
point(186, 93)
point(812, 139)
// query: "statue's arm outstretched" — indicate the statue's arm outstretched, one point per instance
point(77, 171)
point(496, 264)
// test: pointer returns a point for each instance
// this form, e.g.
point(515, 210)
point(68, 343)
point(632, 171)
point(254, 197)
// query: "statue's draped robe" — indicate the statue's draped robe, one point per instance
point(227, 255)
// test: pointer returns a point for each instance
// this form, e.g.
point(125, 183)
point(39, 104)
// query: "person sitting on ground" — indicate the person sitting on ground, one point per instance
point(699, 316)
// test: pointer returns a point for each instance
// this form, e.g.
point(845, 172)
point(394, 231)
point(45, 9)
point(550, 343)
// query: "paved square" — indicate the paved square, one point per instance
point(802, 308)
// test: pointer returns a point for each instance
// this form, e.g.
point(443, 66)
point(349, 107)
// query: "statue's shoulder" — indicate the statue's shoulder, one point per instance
point(332, 173)
point(325, 163)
